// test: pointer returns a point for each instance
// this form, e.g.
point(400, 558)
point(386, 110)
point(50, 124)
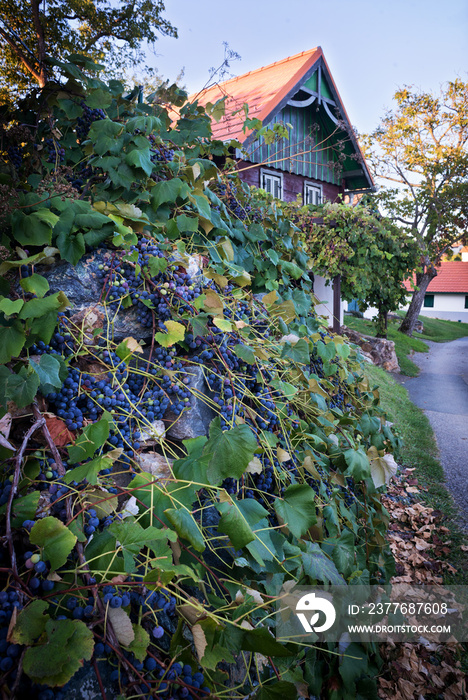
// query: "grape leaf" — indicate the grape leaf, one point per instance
point(186, 526)
point(30, 623)
point(91, 439)
point(140, 643)
point(36, 284)
point(297, 508)
point(48, 371)
point(175, 333)
point(53, 663)
point(230, 451)
point(319, 567)
point(55, 539)
point(13, 339)
point(9, 307)
point(22, 387)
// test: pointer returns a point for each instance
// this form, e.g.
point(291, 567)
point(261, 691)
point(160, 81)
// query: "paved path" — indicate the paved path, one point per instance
point(441, 390)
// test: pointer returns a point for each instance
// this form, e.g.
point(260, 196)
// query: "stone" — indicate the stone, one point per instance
point(379, 350)
point(419, 327)
point(196, 420)
point(155, 433)
point(84, 290)
point(155, 464)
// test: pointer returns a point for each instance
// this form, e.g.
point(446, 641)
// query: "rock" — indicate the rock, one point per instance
point(84, 684)
point(196, 420)
point(154, 434)
point(380, 350)
point(84, 290)
point(155, 464)
point(419, 327)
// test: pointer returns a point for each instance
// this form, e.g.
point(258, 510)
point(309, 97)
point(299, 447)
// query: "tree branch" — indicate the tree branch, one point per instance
point(21, 55)
point(41, 47)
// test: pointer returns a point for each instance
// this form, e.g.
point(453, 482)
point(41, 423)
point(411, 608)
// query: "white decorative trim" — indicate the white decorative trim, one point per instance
point(316, 187)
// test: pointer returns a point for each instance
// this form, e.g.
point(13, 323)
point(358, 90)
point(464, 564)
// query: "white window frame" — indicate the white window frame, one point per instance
point(273, 176)
point(318, 189)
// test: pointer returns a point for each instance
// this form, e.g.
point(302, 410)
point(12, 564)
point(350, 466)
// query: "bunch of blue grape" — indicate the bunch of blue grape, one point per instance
point(9, 653)
point(15, 156)
point(227, 192)
point(39, 569)
point(83, 123)
point(55, 152)
point(160, 152)
point(5, 489)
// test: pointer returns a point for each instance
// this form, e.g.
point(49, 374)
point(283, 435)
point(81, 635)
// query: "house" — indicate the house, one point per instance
point(447, 294)
point(322, 158)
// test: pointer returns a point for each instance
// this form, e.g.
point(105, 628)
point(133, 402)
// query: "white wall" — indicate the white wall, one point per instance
point(450, 307)
point(323, 290)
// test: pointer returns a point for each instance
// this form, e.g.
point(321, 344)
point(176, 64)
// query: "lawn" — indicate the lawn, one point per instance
point(434, 329)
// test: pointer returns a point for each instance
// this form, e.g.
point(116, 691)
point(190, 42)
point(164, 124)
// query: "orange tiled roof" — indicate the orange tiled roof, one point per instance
point(262, 89)
point(452, 276)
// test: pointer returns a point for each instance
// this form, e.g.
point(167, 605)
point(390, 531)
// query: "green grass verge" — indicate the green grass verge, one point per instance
point(420, 452)
point(434, 329)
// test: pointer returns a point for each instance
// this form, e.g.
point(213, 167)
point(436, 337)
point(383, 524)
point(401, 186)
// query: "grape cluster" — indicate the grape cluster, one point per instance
point(160, 152)
point(9, 653)
point(55, 152)
point(227, 192)
point(84, 122)
point(15, 156)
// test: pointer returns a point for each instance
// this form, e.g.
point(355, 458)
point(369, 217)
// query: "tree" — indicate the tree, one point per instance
point(369, 252)
point(33, 30)
point(422, 146)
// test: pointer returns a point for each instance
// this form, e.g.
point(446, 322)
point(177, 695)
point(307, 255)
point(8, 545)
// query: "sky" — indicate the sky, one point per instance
point(372, 47)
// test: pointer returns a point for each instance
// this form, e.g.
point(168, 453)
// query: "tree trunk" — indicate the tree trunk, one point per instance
point(422, 282)
point(382, 322)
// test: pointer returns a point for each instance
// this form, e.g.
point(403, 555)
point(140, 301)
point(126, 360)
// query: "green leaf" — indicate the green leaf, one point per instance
point(31, 623)
point(54, 538)
point(13, 339)
point(156, 265)
point(230, 451)
point(22, 387)
point(319, 567)
point(278, 690)
point(141, 642)
point(175, 333)
point(291, 268)
point(326, 351)
point(298, 352)
point(187, 223)
point(36, 284)
point(262, 641)
point(9, 307)
point(71, 247)
point(88, 471)
point(98, 99)
point(140, 159)
point(297, 508)
point(48, 371)
point(186, 526)
point(69, 643)
point(169, 191)
point(35, 308)
point(24, 508)
point(358, 464)
point(203, 206)
point(31, 229)
point(193, 466)
point(288, 390)
point(91, 439)
point(344, 552)
point(132, 538)
point(233, 524)
point(103, 133)
point(244, 352)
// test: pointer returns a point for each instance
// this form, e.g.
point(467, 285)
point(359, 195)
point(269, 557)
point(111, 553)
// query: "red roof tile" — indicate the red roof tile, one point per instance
point(262, 89)
point(452, 276)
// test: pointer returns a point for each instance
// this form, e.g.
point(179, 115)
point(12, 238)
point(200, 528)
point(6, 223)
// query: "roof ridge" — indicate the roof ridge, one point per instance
point(270, 65)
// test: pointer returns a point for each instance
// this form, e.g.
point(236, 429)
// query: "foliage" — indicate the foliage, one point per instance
point(173, 577)
point(422, 146)
point(33, 32)
point(371, 254)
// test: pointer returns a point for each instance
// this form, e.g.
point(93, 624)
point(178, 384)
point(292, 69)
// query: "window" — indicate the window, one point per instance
point(272, 183)
point(312, 193)
point(466, 302)
point(429, 301)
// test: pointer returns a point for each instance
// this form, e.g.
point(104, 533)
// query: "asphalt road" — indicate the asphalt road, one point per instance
point(441, 390)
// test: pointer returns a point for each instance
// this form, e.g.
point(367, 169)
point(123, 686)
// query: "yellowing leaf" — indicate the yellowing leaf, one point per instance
point(175, 333)
point(225, 249)
point(240, 324)
point(382, 468)
point(270, 298)
point(196, 170)
point(213, 304)
point(223, 324)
